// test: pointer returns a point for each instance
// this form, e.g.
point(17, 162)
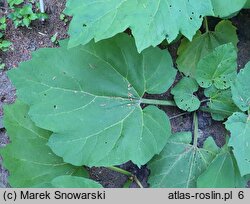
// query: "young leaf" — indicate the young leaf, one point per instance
point(224, 8)
point(220, 102)
point(241, 88)
point(150, 21)
point(190, 53)
point(74, 182)
point(222, 173)
point(180, 163)
point(90, 97)
point(239, 126)
point(183, 94)
point(217, 68)
point(28, 159)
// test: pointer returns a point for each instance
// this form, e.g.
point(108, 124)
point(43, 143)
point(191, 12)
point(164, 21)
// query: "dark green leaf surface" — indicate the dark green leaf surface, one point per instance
point(220, 102)
point(28, 158)
point(222, 173)
point(90, 97)
point(180, 163)
point(218, 68)
point(239, 126)
point(183, 94)
point(241, 88)
point(247, 5)
point(151, 21)
point(190, 53)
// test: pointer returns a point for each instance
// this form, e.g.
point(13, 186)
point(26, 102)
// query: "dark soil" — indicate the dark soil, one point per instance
point(27, 40)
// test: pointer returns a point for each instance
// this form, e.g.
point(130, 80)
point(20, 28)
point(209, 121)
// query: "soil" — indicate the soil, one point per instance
point(27, 40)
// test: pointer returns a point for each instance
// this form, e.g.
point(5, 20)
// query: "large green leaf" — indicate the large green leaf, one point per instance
point(241, 88)
point(28, 159)
point(224, 8)
point(222, 172)
point(190, 53)
point(218, 68)
point(151, 21)
point(69, 181)
point(90, 97)
point(74, 182)
point(239, 126)
point(180, 163)
point(183, 94)
point(220, 103)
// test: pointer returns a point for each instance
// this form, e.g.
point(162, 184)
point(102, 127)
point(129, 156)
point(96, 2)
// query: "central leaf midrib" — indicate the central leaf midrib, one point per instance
point(84, 92)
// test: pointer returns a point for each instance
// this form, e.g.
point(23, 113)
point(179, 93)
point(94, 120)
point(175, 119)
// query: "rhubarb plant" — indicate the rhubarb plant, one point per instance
point(87, 104)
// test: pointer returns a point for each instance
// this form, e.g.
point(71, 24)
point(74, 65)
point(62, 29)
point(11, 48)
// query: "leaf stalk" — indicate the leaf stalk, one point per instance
point(206, 24)
point(196, 133)
point(127, 173)
point(157, 102)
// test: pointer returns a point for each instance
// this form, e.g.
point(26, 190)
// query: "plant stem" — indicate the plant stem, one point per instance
point(206, 24)
point(205, 100)
point(119, 170)
point(196, 133)
point(41, 7)
point(208, 110)
point(158, 102)
point(127, 173)
point(178, 115)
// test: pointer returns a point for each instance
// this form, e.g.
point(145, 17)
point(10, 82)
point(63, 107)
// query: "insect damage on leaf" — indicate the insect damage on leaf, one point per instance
point(183, 94)
point(190, 53)
point(150, 21)
point(101, 103)
point(218, 68)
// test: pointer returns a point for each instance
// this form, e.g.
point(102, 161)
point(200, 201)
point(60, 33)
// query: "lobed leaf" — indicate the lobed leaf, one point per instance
point(220, 103)
point(180, 163)
point(224, 173)
point(150, 21)
point(190, 53)
point(241, 88)
point(28, 158)
point(239, 126)
point(217, 68)
point(90, 97)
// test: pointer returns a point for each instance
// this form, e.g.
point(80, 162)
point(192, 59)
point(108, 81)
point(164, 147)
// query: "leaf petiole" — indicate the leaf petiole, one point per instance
point(127, 173)
point(157, 102)
point(206, 24)
point(195, 124)
point(221, 112)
